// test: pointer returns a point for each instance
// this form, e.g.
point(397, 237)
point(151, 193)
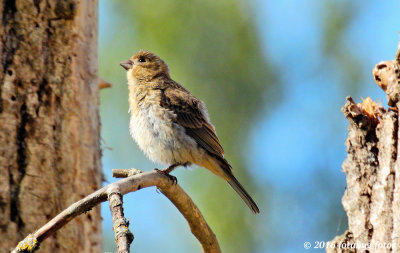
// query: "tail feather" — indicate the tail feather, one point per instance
point(234, 183)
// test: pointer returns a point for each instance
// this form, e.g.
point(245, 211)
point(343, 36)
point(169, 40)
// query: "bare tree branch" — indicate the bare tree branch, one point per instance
point(173, 192)
point(123, 237)
point(122, 173)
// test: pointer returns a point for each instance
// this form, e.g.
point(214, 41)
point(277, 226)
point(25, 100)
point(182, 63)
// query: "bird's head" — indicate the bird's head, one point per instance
point(145, 66)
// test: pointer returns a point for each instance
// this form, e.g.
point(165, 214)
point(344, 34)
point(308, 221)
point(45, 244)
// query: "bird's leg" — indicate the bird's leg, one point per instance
point(169, 170)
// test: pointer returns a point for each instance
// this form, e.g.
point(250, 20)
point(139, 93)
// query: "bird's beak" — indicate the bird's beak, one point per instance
point(126, 64)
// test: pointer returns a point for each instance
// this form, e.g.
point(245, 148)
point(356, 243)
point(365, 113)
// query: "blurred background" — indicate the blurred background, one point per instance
point(274, 75)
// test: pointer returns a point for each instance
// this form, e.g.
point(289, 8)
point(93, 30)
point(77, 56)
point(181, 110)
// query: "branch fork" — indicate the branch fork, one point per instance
point(134, 180)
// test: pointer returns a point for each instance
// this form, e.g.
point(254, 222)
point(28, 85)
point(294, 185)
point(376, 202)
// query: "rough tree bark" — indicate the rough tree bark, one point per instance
point(372, 197)
point(49, 122)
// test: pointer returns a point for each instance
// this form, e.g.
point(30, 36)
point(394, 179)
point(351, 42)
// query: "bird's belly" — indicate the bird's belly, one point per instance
point(162, 140)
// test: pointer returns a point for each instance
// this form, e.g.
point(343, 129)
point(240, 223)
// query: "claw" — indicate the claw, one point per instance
point(172, 178)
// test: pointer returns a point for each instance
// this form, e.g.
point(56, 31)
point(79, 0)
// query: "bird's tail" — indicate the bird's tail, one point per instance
point(234, 183)
point(243, 194)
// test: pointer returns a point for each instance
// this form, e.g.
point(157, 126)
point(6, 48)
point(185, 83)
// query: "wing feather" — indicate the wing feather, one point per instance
point(191, 115)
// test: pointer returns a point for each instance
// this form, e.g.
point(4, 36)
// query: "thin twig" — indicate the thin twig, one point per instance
point(104, 84)
point(122, 173)
point(188, 209)
point(123, 237)
point(174, 192)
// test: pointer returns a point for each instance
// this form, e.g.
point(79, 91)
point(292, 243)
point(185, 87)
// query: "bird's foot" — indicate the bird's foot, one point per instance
point(166, 173)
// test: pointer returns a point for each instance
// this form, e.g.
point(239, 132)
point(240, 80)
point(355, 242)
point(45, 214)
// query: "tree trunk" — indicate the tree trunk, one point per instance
point(372, 197)
point(49, 121)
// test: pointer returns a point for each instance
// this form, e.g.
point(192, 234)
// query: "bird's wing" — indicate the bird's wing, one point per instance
point(190, 113)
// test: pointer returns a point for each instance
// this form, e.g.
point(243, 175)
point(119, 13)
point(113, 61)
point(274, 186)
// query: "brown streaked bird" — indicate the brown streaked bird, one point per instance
point(170, 125)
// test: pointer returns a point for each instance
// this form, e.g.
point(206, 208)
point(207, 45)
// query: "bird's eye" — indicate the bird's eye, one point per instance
point(141, 59)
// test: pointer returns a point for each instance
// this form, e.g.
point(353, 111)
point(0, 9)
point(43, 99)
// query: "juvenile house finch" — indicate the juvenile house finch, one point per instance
point(171, 125)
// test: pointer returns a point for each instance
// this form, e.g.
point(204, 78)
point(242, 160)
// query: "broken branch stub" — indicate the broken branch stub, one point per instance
point(387, 76)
